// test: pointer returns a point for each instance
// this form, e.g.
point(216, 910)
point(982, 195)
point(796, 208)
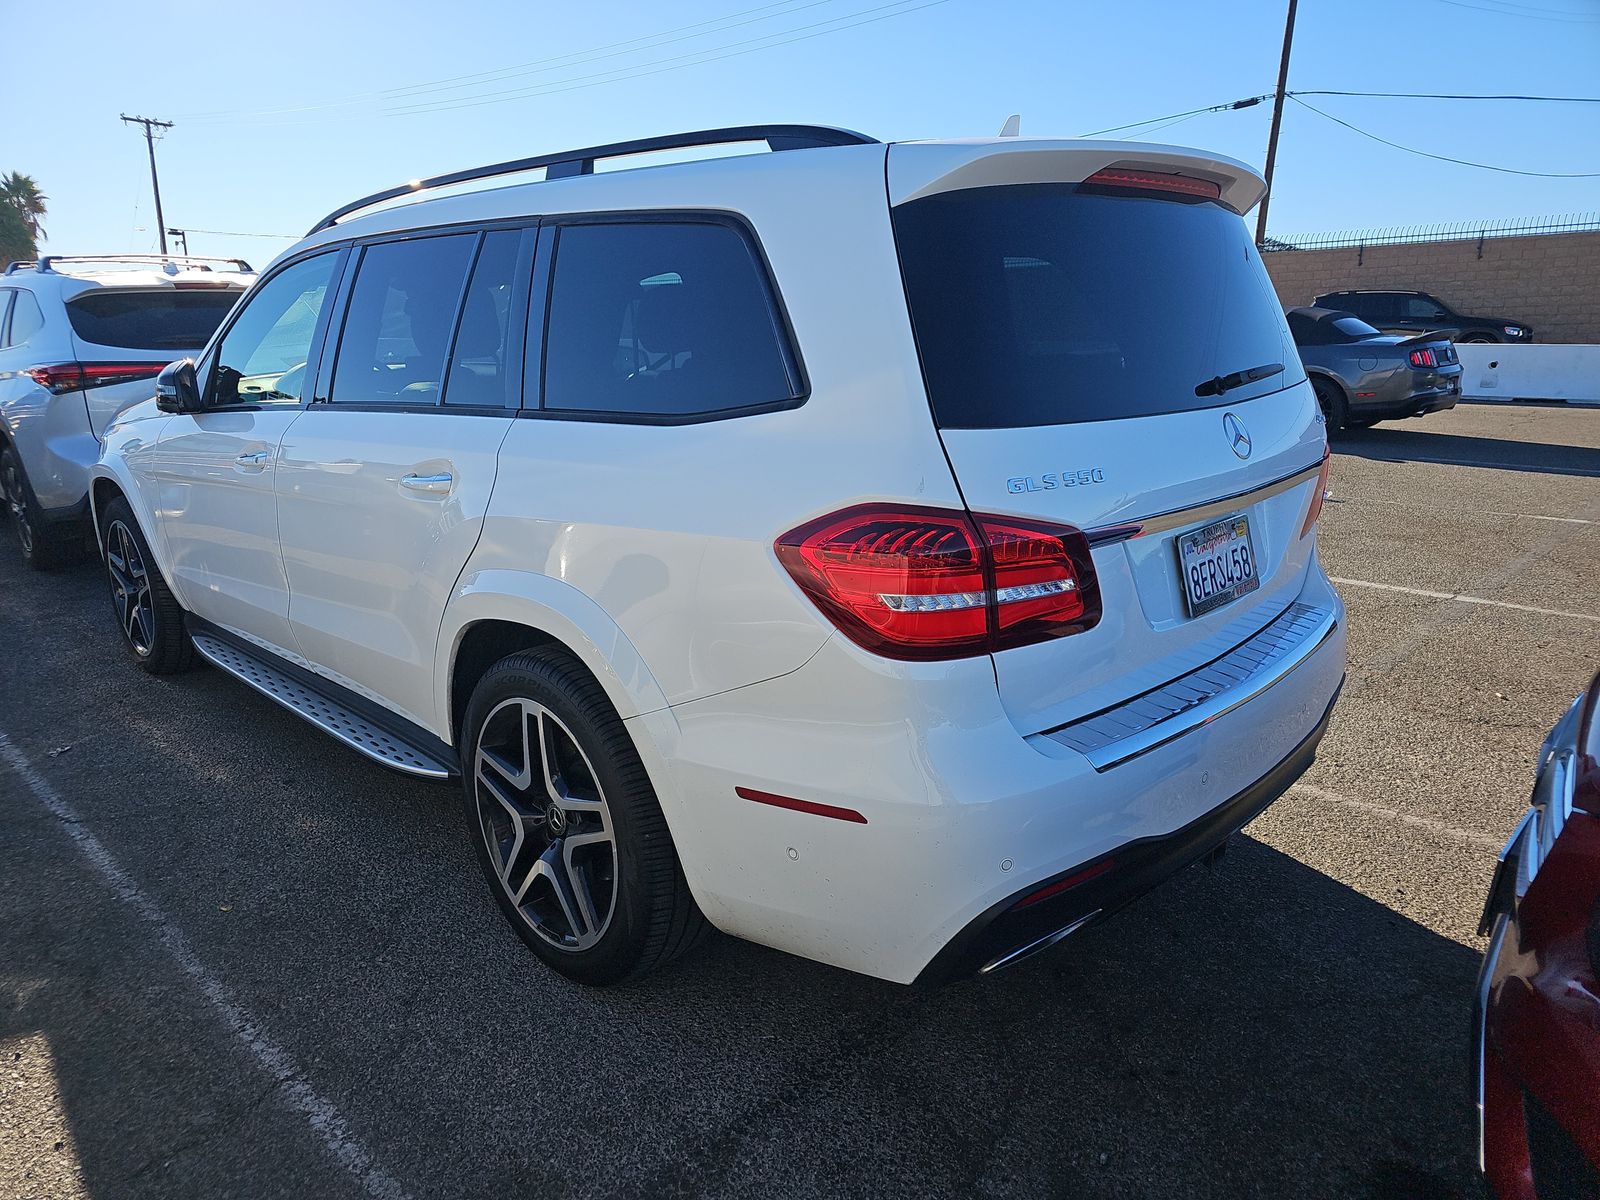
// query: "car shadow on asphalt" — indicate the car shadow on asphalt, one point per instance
point(1386, 443)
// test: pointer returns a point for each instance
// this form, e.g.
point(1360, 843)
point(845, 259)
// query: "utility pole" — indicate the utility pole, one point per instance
point(182, 236)
point(150, 126)
point(1277, 120)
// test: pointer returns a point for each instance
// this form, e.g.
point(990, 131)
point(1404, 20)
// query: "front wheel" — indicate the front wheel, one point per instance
point(567, 827)
point(147, 612)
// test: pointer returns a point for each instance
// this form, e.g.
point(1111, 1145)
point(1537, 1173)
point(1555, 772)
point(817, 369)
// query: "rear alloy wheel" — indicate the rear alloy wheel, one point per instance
point(1330, 399)
point(567, 827)
point(147, 612)
point(41, 548)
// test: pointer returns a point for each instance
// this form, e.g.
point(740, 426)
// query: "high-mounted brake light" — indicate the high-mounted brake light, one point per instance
point(927, 583)
point(69, 377)
point(1320, 494)
point(1423, 358)
point(1156, 181)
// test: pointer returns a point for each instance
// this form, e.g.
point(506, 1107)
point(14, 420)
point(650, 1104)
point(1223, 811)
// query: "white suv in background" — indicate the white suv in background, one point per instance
point(900, 555)
point(81, 337)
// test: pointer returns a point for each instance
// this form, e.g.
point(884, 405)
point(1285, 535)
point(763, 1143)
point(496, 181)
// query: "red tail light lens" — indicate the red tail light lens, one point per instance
point(1423, 358)
point(67, 377)
point(1319, 495)
point(926, 583)
point(1156, 181)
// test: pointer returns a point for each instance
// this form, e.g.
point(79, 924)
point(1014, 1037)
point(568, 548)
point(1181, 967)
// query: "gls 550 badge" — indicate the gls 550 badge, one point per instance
point(1052, 480)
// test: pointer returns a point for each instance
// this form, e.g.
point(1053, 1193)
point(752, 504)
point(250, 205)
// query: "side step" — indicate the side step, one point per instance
point(341, 721)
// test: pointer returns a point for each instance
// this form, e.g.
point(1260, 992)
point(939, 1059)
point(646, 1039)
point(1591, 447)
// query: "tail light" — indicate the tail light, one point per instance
point(70, 377)
point(928, 583)
point(1318, 496)
point(1424, 358)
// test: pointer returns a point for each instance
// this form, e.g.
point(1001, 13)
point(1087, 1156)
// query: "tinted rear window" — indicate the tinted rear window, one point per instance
point(164, 320)
point(1046, 303)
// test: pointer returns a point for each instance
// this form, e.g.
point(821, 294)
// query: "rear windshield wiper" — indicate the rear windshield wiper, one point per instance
point(1226, 383)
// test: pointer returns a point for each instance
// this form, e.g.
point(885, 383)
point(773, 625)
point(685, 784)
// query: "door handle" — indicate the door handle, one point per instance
point(253, 458)
point(435, 484)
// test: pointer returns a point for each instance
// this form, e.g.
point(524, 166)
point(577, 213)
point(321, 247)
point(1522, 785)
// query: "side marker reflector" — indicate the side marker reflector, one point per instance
point(804, 806)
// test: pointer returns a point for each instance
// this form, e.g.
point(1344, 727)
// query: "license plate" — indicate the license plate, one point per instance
point(1218, 564)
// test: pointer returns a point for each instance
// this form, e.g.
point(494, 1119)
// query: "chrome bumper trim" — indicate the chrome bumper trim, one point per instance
point(1480, 1022)
point(1122, 531)
point(1141, 724)
point(1033, 947)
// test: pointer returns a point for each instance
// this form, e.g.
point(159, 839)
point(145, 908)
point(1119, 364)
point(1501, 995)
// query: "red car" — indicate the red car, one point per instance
point(1537, 1019)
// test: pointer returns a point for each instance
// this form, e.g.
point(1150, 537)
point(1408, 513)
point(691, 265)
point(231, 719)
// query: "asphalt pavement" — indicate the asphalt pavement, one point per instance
point(238, 960)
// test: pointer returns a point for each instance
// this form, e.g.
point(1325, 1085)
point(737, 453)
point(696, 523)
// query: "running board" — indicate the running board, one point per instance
point(329, 715)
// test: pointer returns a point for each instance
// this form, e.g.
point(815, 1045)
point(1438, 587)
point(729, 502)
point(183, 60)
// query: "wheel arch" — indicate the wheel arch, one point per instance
point(495, 613)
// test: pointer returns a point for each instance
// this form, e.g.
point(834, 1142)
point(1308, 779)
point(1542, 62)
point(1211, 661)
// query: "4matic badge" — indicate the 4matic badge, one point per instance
point(1052, 480)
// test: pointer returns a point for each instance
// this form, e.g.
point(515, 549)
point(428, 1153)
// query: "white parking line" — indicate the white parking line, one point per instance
point(1480, 512)
point(1470, 837)
point(1493, 466)
point(324, 1120)
point(1395, 587)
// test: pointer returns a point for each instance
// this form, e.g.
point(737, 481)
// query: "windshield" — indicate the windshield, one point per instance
point(160, 320)
point(1043, 304)
point(1355, 327)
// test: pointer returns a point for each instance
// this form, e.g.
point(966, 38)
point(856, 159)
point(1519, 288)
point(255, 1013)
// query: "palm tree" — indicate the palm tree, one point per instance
point(21, 192)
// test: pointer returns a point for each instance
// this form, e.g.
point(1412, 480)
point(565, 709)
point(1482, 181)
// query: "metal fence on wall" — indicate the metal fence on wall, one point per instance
point(1455, 231)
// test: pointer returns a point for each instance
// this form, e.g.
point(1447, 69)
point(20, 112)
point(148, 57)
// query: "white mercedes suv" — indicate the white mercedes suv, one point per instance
point(900, 555)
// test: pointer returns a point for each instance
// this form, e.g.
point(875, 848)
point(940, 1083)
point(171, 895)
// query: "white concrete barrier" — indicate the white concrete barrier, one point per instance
point(1570, 373)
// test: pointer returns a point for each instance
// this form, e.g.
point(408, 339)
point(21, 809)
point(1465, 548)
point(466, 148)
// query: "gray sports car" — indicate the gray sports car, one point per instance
point(1363, 376)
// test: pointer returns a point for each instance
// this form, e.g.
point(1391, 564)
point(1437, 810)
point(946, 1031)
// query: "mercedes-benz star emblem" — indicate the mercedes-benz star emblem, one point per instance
point(1237, 437)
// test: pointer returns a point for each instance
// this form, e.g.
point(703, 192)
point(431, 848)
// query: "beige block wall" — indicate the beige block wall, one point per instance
point(1550, 281)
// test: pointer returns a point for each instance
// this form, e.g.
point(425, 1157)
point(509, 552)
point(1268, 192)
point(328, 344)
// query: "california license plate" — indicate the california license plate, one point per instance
point(1218, 564)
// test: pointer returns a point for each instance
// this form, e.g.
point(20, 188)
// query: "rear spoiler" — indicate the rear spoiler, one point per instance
point(1432, 335)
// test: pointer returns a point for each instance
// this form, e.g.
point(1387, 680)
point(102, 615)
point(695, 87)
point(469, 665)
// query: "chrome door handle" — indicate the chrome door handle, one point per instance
point(254, 458)
point(436, 484)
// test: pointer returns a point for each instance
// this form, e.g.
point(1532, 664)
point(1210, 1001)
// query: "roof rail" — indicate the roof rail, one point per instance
point(47, 262)
point(568, 163)
point(17, 264)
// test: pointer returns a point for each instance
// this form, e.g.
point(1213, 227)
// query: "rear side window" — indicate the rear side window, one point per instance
point(5, 312)
point(1353, 327)
point(401, 315)
point(480, 366)
point(26, 319)
point(162, 320)
point(662, 319)
point(1044, 304)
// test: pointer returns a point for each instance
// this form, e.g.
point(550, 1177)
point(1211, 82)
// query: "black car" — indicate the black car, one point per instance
point(1419, 312)
point(1362, 376)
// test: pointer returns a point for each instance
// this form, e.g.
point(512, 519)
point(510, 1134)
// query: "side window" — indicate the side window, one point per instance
point(397, 328)
point(480, 363)
point(1379, 306)
point(5, 312)
point(1420, 308)
point(661, 319)
point(262, 358)
point(26, 319)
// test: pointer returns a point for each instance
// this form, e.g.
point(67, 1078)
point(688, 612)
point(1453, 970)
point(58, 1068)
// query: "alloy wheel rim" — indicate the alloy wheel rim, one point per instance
point(130, 587)
point(13, 489)
point(544, 819)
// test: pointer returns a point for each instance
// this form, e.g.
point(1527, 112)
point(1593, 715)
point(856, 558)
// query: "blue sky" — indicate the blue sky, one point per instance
point(919, 68)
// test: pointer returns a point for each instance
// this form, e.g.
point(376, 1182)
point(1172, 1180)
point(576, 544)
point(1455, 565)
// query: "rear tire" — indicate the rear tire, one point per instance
point(43, 547)
point(149, 614)
point(1330, 399)
point(1477, 339)
point(567, 827)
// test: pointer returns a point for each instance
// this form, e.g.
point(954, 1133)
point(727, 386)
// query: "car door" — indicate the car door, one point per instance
point(213, 470)
point(1419, 314)
point(383, 484)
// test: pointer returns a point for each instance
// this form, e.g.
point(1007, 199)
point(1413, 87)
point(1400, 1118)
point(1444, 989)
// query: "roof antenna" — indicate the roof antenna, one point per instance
point(1013, 126)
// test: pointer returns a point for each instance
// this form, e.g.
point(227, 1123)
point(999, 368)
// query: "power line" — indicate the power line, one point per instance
point(1247, 102)
point(1445, 158)
point(677, 62)
point(1448, 96)
point(572, 59)
point(1564, 18)
point(287, 237)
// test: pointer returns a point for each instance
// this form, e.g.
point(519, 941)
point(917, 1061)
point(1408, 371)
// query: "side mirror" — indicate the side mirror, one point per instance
point(177, 387)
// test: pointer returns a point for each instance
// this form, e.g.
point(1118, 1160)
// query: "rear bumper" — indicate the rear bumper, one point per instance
point(963, 812)
point(1006, 933)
